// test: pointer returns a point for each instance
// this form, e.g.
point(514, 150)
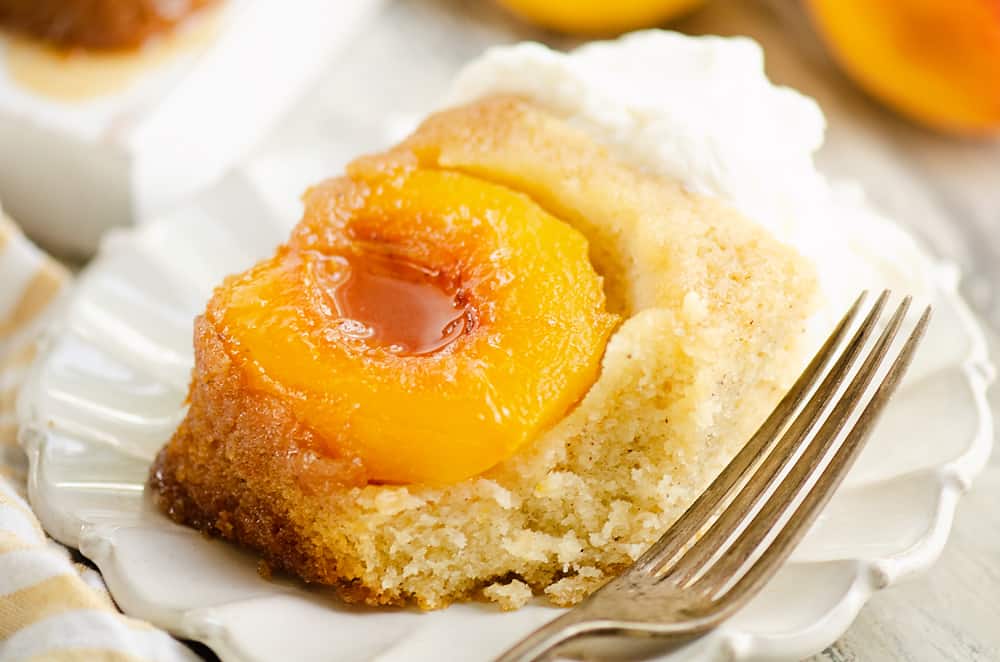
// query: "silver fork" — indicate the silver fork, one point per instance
point(735, 536)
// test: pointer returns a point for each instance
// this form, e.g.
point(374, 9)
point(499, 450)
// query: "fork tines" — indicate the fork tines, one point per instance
point(735, 536)
point(734, 524)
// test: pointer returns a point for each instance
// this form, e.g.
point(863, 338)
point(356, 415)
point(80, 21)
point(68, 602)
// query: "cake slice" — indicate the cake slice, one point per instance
point(703, 313)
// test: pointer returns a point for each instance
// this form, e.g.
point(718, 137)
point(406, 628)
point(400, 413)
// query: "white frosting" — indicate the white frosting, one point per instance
point(702, 110)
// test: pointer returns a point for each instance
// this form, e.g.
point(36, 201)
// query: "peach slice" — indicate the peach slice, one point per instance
point(516, 311)
point(936, 62)
point(592, 17)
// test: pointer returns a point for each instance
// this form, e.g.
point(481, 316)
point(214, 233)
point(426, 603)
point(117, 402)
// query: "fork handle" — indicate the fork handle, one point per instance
point(568, 626)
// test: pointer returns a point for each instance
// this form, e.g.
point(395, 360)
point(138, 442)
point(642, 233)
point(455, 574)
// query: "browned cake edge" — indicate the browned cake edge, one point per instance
point(239, 467)
point(96, 24)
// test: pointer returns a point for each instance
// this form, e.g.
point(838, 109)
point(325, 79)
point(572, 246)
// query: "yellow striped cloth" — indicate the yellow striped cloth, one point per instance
point(50, 608)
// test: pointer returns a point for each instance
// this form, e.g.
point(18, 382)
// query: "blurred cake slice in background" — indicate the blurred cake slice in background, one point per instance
point(97, 24)
point(112, 118)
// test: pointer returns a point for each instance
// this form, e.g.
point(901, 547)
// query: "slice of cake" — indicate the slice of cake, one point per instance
point(498, 359)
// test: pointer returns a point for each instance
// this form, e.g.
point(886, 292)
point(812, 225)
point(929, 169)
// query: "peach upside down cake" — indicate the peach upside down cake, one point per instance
point(495, 360)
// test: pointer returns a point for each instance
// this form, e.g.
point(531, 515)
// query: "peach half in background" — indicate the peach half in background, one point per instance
point(936, 62)
point(599, 17)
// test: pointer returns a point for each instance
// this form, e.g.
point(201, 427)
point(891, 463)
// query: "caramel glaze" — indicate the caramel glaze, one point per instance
point(391, 303)
point(96, 24)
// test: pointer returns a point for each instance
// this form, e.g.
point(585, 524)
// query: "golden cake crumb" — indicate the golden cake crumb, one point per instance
point(512, 595)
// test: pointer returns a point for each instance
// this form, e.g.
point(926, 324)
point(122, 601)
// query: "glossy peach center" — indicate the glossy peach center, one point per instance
point(389, 302)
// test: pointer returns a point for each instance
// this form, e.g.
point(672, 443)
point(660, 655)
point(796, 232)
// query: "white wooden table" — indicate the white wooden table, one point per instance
point(947, 191)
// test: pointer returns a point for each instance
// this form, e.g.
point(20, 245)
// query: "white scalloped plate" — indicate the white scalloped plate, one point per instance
point(108, 391)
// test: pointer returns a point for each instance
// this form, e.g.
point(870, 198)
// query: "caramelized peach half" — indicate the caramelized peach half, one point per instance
point(427, 323)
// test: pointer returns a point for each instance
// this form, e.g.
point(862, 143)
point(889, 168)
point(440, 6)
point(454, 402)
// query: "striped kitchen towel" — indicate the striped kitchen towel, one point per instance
point(50, 607)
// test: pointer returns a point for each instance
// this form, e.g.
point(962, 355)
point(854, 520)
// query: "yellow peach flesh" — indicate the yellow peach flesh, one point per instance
point(530, 354)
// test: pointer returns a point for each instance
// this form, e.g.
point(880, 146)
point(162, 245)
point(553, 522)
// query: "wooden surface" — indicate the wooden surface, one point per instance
point(947, 191)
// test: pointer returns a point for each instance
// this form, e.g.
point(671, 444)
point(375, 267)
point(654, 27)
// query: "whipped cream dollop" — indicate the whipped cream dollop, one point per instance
point(702, 110)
